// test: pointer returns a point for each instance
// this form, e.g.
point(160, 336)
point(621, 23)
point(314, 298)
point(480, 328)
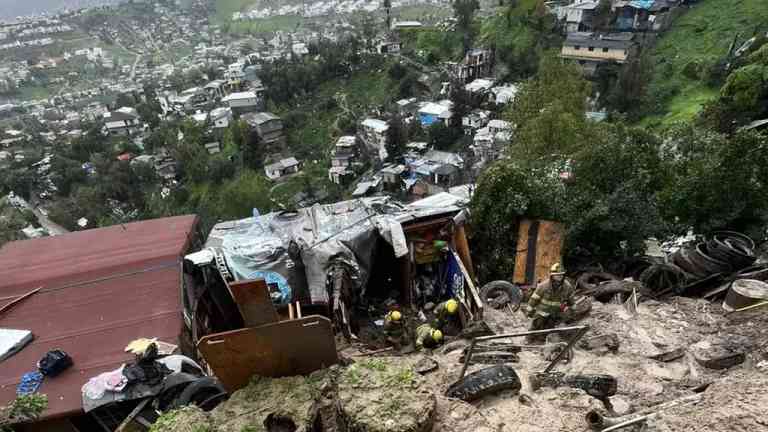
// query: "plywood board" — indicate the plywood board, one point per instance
point(539, 245)
point(252, 298)
point(280, 349)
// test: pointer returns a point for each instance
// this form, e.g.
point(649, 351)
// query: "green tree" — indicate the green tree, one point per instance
point(464, 12)
point(125, 100)
point(397, 138)
point(549, 112)
point(629, 92)
point(442, 137)
point(717, 181)
point(388, 9)
point(505, 192)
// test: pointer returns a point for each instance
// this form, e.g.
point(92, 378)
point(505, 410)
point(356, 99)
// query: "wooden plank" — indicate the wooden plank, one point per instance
point(521, 255)
point(286, 348)
point(123, 427)
point(462, 247)
point(472, 298)
point(548, 250)
point(254, 303)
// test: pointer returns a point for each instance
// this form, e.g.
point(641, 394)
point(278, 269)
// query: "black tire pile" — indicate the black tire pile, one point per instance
point(692, 270)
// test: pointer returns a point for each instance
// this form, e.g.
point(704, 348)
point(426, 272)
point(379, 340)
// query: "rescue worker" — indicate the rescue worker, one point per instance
point(394, 329)
point(447, 314)
point(550, 302)
point(428, 336)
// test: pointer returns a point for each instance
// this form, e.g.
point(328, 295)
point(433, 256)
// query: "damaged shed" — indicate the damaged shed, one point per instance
point(337, 259)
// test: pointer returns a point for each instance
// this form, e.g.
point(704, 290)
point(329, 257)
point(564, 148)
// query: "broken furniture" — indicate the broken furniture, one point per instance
point(576, 331)
point(271, 348)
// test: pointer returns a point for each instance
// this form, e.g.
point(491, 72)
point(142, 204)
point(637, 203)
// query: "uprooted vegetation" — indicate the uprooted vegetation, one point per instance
point(370, 395)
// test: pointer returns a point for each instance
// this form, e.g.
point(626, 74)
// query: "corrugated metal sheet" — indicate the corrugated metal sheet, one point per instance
point(101, 289)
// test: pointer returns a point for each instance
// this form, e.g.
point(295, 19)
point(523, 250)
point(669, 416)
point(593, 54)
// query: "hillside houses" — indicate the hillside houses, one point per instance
point(590, 49)
point(433, 112)
point(124, 121)
point(373, 133)
point(267, 126)
point(344, 157)
point(244, 102)
point(282, 168)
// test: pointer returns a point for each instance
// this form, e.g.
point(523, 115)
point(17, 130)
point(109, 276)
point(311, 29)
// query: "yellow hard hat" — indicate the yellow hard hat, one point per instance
point(556, 268)
point(452, 306)
point(437, 335)
point(395, 315)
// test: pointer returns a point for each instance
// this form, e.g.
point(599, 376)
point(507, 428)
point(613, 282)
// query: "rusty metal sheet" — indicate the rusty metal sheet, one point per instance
point(285, 348)
point(253, 300)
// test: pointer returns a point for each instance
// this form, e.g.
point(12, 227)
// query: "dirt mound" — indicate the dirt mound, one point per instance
point(736, 403)
point(186, 419)
point(281, 400)
point(377, 395)
point(458, 416)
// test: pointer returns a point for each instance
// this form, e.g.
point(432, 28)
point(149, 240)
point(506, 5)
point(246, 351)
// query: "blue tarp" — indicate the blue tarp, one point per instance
point(642, 4)
point(428, 119)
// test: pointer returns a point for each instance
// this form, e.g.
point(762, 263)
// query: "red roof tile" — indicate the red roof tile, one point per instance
point(101, 289)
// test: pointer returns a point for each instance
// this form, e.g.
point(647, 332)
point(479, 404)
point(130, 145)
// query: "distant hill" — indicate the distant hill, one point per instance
point(684, 55)
point(10, 9)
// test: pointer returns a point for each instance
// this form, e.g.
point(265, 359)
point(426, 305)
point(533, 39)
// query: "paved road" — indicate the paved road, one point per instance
point(52, 227)
point(133, 68)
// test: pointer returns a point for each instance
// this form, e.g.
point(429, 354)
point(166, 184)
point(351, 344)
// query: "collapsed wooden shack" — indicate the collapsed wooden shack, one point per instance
point(338, 261)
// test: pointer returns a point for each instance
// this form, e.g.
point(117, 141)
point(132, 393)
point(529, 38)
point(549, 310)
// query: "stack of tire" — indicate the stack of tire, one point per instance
point(724, 253)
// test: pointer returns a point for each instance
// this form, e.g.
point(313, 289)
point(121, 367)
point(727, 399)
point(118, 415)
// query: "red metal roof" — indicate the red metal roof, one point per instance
point(101, 289)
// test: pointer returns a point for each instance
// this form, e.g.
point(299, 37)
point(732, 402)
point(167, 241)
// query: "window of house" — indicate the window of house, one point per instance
point(591, 48)
point(605, 49)
point(577, 47)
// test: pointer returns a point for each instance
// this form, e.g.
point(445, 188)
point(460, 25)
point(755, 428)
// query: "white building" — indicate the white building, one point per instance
point(374, 135)
point(282, 168)
point(124, 121)
point(241, 102)
point(221, 117)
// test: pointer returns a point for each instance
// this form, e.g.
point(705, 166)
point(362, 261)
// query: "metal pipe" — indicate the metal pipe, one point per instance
point(468, 358)
point(596, 420)
point(580, 329)
point(567, 348)
point(531, 333)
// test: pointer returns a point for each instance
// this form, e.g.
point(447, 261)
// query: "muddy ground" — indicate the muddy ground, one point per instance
point(382, 393)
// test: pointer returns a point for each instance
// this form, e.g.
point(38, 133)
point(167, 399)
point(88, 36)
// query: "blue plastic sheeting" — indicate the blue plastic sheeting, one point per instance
point(274, 278)
point(29, 384)
point(428, 119)
point(642, 4)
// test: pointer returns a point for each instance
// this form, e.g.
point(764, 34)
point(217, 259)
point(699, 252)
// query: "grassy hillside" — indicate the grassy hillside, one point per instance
point(315, 131)
point(696, 41)
point(225, 8)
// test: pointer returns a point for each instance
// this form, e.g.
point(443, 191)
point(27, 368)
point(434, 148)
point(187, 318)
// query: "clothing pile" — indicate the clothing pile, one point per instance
point(146, 370)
